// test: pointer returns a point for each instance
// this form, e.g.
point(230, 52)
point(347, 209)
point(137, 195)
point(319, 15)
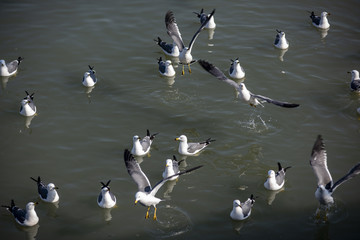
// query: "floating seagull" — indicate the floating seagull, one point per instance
point(28, 107)
point(47, 193)
point(240, 210)
point(9, 69)
point(320, 22)
point(25, 217)
point(169, 49)
point(106, 198)
point(190, 149)
point(245, 94)
point(166, 68)
point(185, 56)
point(280, 41)
point(89, 78)
point(275, 181)
point(171, 168)
point(355, 81)
point(141, 148)
point(236, 71)
point(203, 17)
point(146, 193)
point(326, 187)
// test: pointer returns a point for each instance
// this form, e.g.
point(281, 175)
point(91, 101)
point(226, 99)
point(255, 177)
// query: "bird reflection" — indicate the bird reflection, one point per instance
point(272, 195)
point(238, 225)
point(169, 188)
point(211, 33)
point(323, 33)
point(282, 53)
point(30, 232)
point(107, 214)
point(4, 81)
point(28, 120)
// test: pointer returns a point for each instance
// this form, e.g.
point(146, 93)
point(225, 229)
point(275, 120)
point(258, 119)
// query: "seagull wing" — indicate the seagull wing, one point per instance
point(216, 72)
point(159, 184)
point(352, 173)
point(136, 173)
point(278, 103)
point(199, 30)
point(173, 30)
point(318, 161)
point(246, 206)
point(195, 147)
point(12, 66)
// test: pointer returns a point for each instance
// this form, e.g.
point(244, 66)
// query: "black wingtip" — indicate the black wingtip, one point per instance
point(319, 145)
point(19, 60)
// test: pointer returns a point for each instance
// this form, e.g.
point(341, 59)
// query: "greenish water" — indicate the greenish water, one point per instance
point(78, 138)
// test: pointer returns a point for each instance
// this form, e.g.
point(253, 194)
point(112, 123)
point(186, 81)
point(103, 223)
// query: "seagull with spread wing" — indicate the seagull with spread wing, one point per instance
point(244, 93)
point(173, 31)
point(146, 193)
point(326, 186)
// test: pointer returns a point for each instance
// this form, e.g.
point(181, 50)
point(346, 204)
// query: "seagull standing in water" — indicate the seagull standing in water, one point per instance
point(166, 68)
point(189, 148)
point(146, 194)
point(355, 81)
point(47, 193)
point(89, 78)
point(245, 94)
point(236, 71)
point(28, 107)
point(320, 22)
point(9, 69)
point(326, 187)
point(275, 181)
point(280, 41)
point(106, 199)
point(203, 17)
point(170, 49)
point(142, 146)
point(185, 56)
point(25, 217)
point(242, 211)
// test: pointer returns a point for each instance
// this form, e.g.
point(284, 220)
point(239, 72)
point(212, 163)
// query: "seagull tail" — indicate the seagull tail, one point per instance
point(158, 41)
point(208, 141)
point(38, 180)
point(19, 60)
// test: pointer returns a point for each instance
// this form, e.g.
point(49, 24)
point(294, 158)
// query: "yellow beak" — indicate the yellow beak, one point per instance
point(177, 139)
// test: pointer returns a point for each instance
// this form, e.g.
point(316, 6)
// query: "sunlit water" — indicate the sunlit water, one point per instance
point(78, 137)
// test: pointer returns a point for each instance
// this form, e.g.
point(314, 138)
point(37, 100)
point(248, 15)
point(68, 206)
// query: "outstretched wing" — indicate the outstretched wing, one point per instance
point(318, 161)
point(278, 103)
point(136, 173)
point(352, 173)
point(199, 30)
point(173, 30)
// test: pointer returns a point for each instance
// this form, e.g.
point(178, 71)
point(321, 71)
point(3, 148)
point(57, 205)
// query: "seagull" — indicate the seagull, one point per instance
point(47, 193)
point(171, 168)
point(25, 217)
point(203, 17)
point(318, 162)
point(28, 107)
point(245, 94)
point(146, 193)
point(9, 69)
point(106, 198)
point(89, 78)
point(236, 71)
point(169, 49)
point(242, 211)
point(166, 68)
point(355, 81)
point(190, 149)
point(275, 181)
point(185, 56)
point(141, 148)
point(280, 41)
point(320, 22)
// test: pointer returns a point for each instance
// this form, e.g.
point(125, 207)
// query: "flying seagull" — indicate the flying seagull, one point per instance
point(173, 31)
point(25, 217)
point(9, 69)
point(106, 199)
point(146, 193)
point(242, 211)
point(191, 148)
point(275, 181)
point(245, 94)
point(318, 162)
point(47, 193)
point(142, 146)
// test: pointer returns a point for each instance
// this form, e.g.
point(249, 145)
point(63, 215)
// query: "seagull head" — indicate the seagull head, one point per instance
point(2, 63)
point(136, 138)
point(324, 14)
point(281, 34)
point(139, 196)
point(354, 74)
point(31, 206)
point(271, 174)
point(182, 138)
point(168, 63)
point(236, 203)
point(168, 163)
point(51, 187)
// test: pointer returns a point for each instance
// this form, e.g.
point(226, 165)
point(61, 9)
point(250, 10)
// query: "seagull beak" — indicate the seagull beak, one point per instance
point(177, 139)
point(136, 202)
point(166, 165)
point(36, 203)
point(56, 187)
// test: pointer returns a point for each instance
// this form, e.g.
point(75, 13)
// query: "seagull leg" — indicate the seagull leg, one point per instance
point(189, 68)
point(183, 72)
point(155, 214)
point(147, 213)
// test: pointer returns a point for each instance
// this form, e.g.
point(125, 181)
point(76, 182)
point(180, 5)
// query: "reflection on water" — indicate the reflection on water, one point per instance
point(30, 232)
point(272, 195)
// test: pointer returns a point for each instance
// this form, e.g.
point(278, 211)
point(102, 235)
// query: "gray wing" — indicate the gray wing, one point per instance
point(231, 68)
point(355, 85)
point(278, 103)
point(246, 207)
point(318, 161)
point(277, 39)
point(99, 197)
point(352, 173)
point(175, 166)
point(112, 196)
point(199, 30)
point(93, 77)
point(167, 47)
point(136, 173)
point(12, 66)
point(162, 67)
point(18, 213)
point(280, 177)
point(315, 19)
point(145, 143)
point(42, 191)
point(32, 105)
point(173, 30)
point(193, 147)
point(216, 72)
